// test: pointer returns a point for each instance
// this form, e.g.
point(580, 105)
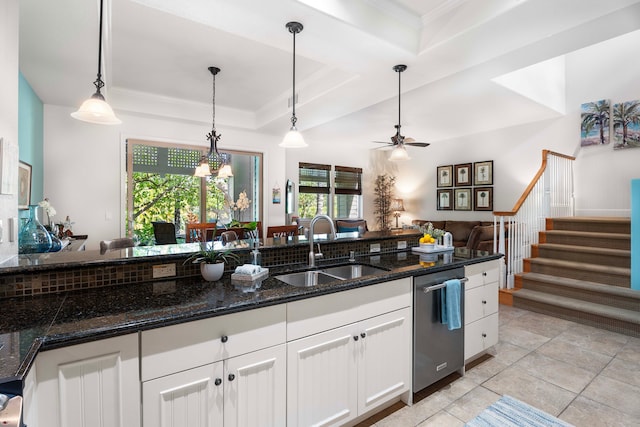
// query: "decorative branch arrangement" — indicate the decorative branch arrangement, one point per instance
point(382, 202)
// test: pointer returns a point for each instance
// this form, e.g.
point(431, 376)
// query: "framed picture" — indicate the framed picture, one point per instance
point(462, 174)
point(24, 185)
point(483, 199)
point(445, 176)
point(462, 199)
point(445, 200)
point(483, 173)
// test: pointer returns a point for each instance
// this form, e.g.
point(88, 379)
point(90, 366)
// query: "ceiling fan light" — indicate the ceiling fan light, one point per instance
point(293, 139)
point(96, 110)
point(399, 154)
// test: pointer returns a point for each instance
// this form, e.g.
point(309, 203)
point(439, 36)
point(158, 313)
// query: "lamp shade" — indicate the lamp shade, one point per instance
point(202, 170)
point(397, 205)
point(293, 139)
point(399, 154)
point(96, 110)
point(225, 171)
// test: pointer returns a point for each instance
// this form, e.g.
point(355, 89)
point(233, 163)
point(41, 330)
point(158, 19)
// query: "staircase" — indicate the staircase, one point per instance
point(581, 271)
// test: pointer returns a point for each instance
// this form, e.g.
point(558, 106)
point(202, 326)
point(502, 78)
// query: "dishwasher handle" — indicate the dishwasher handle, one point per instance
point(428, 289)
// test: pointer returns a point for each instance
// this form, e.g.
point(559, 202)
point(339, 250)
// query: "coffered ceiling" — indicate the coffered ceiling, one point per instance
point(157, 53)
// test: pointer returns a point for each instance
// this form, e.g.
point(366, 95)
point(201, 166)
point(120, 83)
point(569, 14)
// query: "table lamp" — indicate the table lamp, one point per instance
point(397, 206)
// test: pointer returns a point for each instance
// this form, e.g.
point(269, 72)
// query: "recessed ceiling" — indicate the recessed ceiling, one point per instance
point(157, 53)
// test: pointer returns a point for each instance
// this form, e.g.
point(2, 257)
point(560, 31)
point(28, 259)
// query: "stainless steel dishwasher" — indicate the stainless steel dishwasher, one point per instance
point(437, 351)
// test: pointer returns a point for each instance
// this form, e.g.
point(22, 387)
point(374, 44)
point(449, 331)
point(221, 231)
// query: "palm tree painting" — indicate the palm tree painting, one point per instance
point(594, 128)
point(626, 125)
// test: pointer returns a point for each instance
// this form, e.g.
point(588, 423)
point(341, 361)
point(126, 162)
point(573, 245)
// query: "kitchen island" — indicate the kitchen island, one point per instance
point(59, 320)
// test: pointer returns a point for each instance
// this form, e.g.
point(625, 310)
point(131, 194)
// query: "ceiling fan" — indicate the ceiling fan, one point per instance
point(398, 141)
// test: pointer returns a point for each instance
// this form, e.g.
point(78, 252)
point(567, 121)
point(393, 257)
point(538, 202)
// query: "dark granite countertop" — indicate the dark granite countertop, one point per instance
point(45, 322)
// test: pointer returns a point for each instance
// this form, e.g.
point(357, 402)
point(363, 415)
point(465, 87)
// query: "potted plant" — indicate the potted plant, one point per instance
point(212, 262)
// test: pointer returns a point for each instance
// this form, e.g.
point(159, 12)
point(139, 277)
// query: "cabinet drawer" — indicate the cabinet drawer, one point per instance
point(180, 347)
point(480, 335)
point(480, 302)
point(326, 312)
point(481, 274)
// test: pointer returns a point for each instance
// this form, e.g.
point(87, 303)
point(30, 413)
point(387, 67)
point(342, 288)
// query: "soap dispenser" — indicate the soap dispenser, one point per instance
point(447, 239)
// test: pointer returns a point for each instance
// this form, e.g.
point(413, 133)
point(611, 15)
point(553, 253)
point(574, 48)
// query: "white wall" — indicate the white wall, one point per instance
point(602, 175)
point(9, 119)
point(85, 166)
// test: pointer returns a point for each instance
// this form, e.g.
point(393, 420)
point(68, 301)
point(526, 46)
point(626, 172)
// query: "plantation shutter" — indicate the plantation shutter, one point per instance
point(314, 178)
point(348, 180)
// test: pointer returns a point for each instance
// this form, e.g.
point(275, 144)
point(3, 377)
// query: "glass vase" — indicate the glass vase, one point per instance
point(33, 238)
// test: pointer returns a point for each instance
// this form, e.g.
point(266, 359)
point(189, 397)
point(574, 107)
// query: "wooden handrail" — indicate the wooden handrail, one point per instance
point(532, 184)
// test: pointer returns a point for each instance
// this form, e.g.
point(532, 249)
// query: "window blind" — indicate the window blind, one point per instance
point(348, 180)
point(314, 178)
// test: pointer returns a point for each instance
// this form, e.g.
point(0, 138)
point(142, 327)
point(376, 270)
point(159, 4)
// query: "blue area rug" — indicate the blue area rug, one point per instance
point(508, 412)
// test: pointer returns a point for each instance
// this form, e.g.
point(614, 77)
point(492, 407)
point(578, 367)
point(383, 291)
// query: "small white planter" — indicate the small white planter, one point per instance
point(212, 272)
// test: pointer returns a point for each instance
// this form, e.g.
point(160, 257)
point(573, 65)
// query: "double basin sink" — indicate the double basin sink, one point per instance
point(330, 274)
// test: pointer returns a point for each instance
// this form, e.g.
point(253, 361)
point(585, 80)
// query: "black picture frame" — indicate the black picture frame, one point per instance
point(463, 199)
point(483, 198)
point(462, 174)
point(445, 176)
point(24, 185)
point(445, 200)
point(483, 173)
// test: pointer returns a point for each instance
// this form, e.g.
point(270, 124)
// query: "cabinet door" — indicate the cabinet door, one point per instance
point(384, 362)
point(321, 379)
point(92, 384)
point(255, 389)
point(191, 398)
point(480, 335)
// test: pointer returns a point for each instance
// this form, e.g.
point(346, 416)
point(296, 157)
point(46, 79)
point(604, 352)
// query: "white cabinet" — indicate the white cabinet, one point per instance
point(228, 370)
point(247, 390)
point(354, 354)
point(480, 308)
point(92, 384)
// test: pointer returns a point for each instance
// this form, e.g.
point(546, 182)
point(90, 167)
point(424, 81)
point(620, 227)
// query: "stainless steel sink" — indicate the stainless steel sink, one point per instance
point(308, 278)
point(327, 275)
point(353, 271)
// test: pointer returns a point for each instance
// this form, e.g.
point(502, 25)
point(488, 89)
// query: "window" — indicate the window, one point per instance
point(161, 187)
point(316, 195)
point(348, 192)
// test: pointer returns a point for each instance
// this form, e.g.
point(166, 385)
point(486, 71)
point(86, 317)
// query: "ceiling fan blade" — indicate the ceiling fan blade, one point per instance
point(417, 144)
point(382, 142)
point(409, 139)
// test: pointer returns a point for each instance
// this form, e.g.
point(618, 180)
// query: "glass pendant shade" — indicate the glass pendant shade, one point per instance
point(293, 139)
point(96, 110)
point(399, 154)
point(202, 170)
point(225, 171)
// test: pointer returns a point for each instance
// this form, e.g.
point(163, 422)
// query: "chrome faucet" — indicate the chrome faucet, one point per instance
point(312, 254)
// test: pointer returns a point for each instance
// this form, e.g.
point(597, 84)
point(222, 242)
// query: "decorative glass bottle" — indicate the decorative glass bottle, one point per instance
point(33, 238)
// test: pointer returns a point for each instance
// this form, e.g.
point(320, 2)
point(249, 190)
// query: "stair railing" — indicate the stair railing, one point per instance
point(550, 194)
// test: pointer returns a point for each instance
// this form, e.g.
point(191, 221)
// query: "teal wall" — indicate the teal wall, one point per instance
point(635, 234)
point(31, 137)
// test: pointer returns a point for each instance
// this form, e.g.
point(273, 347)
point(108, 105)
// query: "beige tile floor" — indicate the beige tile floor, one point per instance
point(583, 375)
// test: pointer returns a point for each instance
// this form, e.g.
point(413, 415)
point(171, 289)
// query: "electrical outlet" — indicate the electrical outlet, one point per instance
point(375, 247)
point(13, 229)
point(402, 244)
point(166, 287)
point(164, 270)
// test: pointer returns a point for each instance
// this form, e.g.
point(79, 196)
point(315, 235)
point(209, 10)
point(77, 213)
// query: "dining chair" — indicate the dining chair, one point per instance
point(119, 243)
point(164, 233)
point(228, 236)
point(200, 231)
point(282, 231)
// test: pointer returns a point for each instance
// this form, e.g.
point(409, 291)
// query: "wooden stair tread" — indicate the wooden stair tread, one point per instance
point(622, 271)
point(571, 233)
point(579, 305)
point(582, 284)
point(606, 219)
point(586, 249)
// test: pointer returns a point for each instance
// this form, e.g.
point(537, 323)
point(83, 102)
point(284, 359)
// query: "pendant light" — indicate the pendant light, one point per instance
point(293, 138)
point(203, 169)
point(95, 109)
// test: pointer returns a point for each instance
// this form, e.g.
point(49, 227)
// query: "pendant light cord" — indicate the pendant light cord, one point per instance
point(213, 136)
point(293, 98)
point(399, 103)
point(99, 84)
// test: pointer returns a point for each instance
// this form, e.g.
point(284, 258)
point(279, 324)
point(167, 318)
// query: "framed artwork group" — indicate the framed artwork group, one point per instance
point(465, 186)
